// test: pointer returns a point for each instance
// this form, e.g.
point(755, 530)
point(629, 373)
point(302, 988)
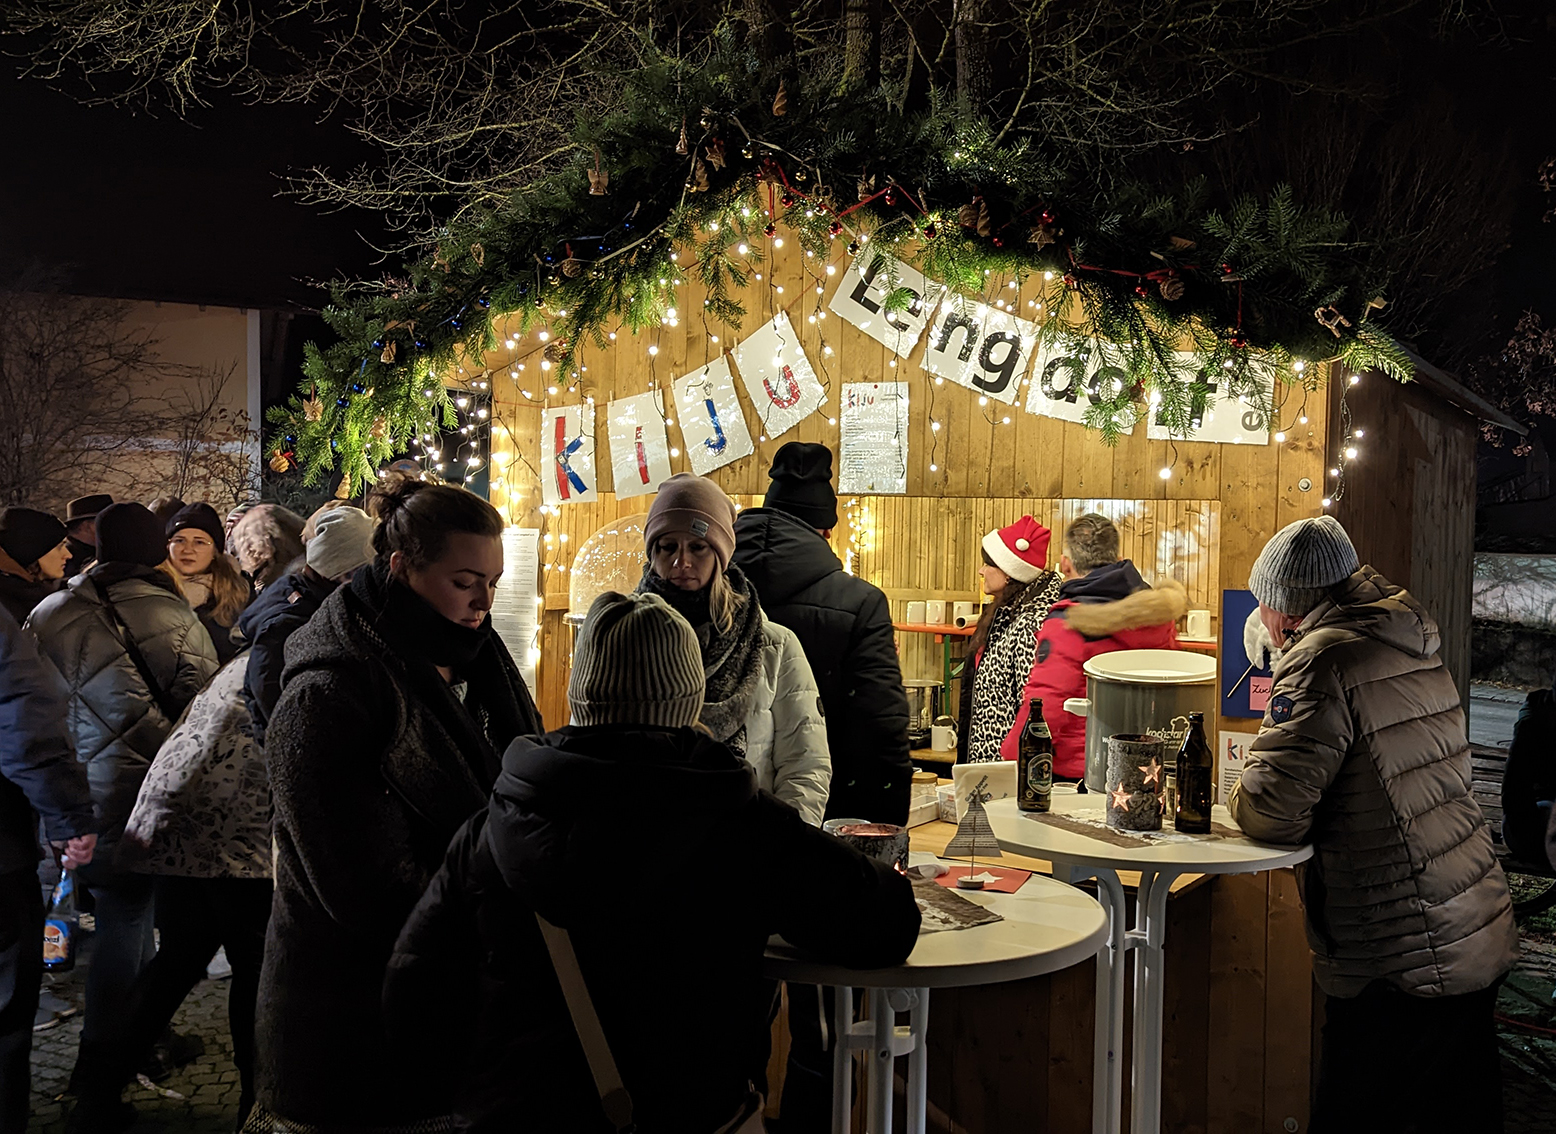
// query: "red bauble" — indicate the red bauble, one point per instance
point(788, 200)
point(1046, 216)
point(1142, 291)
point(770, 230)
point(930, 231)
point(835, 228)
point(1226, 269)
point(998, 243)
point(1070, 281)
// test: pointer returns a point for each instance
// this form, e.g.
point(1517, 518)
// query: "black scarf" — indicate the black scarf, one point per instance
point(497, 706)
point(731, 660)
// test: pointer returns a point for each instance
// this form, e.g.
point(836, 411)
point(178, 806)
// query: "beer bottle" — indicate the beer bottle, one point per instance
point(1195, 776)
point(1035, 762)
point(61, 927)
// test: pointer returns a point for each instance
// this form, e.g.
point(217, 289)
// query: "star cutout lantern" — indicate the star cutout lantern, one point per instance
point(1151, 773)
point(1121, 797)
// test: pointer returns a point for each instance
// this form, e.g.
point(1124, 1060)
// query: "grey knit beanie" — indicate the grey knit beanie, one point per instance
point(342, 541)
point(636, 662)
point(1301, 562)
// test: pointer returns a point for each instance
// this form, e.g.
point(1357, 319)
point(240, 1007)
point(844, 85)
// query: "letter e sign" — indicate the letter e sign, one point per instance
point(861, 298)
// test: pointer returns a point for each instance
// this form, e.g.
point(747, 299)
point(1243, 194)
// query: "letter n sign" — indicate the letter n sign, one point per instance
point(567, 455)
point(981, 348)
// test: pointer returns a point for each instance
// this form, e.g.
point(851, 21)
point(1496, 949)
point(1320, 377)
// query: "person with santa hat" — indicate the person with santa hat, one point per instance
point(1003, 649)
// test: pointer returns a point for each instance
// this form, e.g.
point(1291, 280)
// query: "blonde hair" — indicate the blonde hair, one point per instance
point(167, 568)
point(228, 588)
point(723, 602)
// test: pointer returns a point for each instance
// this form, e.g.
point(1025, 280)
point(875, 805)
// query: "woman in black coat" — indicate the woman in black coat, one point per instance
point(396, 703)
point(33, 554)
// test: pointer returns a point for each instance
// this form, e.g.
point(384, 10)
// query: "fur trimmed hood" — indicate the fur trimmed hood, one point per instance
point(1165, 602)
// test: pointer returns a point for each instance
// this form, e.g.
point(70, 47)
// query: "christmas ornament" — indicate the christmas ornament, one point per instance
point(1180, 243)
point(478, 254)
point(748, 151)
point(313, 408)
point(890, 196)
point(280, 463)
point(781, 101)
point(835, 229)
point(572, 268)
point(1331, 319)
point(439, 261)
point(1142, 291)
point(800, 176)
point(1171, 288)
point(975, 215)
point(866, 187)
point(599, 179)
point(930, 231)
point(1045, 233)
point(770, 230)
point(555, 350)
point(853, 247)
point(379, 430)
point(1071, 282)
point(1376, 303)
point(787, 200)
point(344, 491)
point(698, 181)
point(715, 153)
point(390, 349)
point(683, 146)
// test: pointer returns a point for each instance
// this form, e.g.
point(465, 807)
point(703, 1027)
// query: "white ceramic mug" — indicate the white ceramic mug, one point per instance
point(942, 738)
point(1197, 625)
point(915, 613)
point(934, 612)
point(964, 614)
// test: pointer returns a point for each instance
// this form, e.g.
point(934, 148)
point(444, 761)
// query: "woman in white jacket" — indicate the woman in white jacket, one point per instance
point(761, 696)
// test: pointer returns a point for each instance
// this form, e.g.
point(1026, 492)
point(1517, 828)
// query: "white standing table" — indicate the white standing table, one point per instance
point(1077, 857)
point(1047, 926)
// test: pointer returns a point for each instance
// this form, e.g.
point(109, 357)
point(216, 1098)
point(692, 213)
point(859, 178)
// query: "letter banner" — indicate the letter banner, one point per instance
point(640, 452)
point(979, 347)
point(1073, 374)
point(1222, 417)
point(567, 455)
point(712, 423)
point(778, 377)
point(861, 299)
point(873, 454)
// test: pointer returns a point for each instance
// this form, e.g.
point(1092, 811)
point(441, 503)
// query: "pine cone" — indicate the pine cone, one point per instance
point(280, 463)
point(572, 268)
point(1171, 288)
point(554, 351)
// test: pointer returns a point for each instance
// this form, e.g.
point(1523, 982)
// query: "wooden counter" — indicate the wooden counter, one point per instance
point(1238, 1022)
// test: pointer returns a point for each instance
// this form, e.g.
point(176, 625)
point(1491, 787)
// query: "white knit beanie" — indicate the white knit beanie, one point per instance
point(636, 662)
point(342, 541)
point(1301, 563)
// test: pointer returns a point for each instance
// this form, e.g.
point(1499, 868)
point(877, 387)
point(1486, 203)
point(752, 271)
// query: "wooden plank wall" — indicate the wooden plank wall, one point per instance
point(1409, 503)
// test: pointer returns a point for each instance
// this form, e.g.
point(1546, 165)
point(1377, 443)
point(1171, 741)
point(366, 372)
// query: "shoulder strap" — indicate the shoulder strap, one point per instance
point(138, 659)
point(602, 1065)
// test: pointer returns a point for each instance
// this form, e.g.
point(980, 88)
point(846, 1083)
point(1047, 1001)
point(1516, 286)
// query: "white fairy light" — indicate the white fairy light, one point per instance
point(1166, 473)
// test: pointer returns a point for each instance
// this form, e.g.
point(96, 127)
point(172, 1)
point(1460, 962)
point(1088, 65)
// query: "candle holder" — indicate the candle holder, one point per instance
point(1137, 773)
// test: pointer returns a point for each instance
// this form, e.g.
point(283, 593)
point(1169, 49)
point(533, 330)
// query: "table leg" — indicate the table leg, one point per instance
point(842, 1059)
point(883, 1023)
point(1107, 1086)
point(918, 1061)
point(1149, 937)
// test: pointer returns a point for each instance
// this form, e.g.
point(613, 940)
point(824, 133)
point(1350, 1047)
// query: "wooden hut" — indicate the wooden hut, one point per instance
point(1240, 1008)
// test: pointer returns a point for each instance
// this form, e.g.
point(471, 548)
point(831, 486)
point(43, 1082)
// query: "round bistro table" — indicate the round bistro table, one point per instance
point(1078, 856)
point(1046, 926)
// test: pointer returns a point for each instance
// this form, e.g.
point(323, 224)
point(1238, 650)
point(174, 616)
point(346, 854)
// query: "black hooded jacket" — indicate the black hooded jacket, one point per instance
point(266, 623)
point(844, 625)
point(670, 870)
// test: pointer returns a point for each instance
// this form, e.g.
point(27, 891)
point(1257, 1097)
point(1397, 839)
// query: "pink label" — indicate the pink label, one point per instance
point(1259, 693)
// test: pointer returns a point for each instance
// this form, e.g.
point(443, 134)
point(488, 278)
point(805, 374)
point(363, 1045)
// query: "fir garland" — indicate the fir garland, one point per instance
point(1165, 286)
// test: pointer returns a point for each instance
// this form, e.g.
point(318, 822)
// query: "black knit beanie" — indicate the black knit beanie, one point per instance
point(130, 533)
point(802, 484)
point(203, 518)
point(27, 534)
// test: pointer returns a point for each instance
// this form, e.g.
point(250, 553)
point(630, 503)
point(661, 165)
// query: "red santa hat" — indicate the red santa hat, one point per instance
point(1021, 550)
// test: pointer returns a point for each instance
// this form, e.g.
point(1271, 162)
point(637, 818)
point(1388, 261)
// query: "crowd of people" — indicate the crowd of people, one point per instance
point(303, 742)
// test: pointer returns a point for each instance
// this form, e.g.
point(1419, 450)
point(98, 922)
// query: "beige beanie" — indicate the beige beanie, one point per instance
point(636, 662)
point(694, 504)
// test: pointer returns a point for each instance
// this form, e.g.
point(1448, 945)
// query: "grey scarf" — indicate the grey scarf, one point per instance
point(731, 661)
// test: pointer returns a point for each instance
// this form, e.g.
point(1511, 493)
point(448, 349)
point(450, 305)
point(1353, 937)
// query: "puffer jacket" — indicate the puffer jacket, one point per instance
point(786, 733)
point(1363, 754)
point(204, 808)
point(993, 713)
point(1109, 608)
point(114, 721)
point(844, 626)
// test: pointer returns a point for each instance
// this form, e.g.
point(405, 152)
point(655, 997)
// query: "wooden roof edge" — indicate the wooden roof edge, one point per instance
point(1450, 389)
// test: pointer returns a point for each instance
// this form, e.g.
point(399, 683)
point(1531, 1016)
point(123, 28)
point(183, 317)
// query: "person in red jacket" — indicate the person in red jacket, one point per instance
point(1104, 605)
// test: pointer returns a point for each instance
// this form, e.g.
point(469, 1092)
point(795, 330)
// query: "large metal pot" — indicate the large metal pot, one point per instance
point(1141, 691)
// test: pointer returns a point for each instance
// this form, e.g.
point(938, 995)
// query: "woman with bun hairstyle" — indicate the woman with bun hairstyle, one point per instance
point(396, 705)
point(761, 697)
point(197, 549)
point(33, 554)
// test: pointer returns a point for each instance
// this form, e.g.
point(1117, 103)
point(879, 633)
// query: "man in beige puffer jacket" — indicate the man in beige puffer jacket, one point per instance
point(1363, 753)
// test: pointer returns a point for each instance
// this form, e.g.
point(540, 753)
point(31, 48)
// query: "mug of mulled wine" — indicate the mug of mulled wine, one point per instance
point(884, 842)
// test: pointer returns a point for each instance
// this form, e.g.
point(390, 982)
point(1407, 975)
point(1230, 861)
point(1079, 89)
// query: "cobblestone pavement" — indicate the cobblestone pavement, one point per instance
point(208, 1087)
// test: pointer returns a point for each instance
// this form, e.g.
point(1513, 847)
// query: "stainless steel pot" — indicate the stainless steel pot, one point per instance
point(1135, 691)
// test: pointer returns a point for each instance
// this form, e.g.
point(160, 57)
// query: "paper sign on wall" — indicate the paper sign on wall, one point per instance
point(1245, 687)
point(567, 455)
point(874, 438)
point(1235, 747)
point(980, 347)
point(778, 377)
point(640, 452)
point(516, 605)
point(1070, 376)
point(861, 299)
point(712, 424)
point(1222, 417)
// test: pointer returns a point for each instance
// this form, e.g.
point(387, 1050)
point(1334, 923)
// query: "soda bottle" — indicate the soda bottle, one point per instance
point(61, 926)
point(1195, 779)
point(1035, 762)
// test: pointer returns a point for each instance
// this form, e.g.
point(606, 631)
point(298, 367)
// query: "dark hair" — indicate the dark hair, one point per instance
point(415, 518)
point(1008, 594)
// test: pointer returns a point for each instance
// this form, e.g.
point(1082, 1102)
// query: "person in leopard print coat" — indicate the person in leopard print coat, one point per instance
point(1004, 648)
